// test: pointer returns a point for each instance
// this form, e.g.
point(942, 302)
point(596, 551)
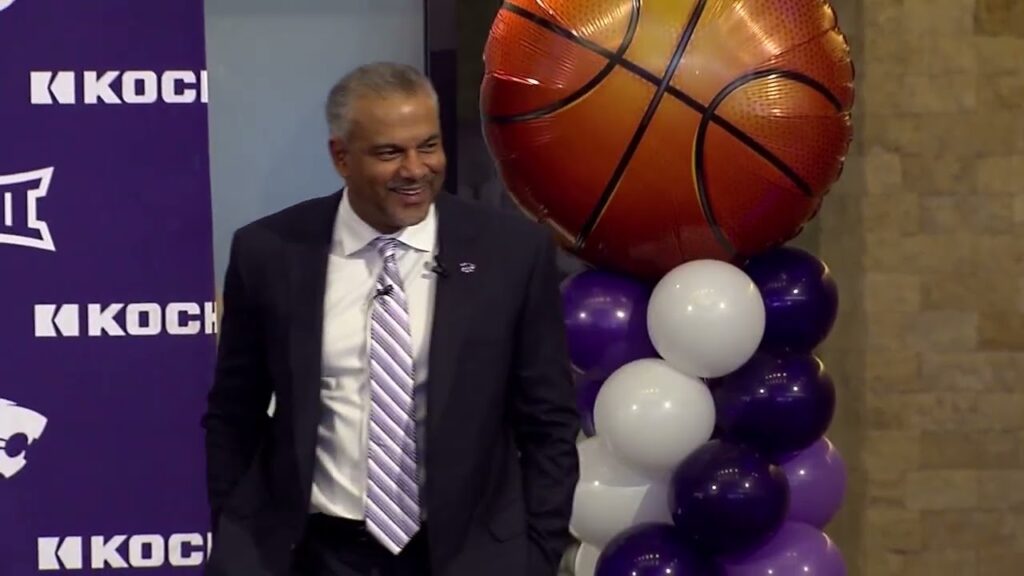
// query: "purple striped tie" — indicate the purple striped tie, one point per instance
point(392, 506)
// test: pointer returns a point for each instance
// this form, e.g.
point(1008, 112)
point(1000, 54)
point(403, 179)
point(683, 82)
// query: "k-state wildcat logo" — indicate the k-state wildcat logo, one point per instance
point(19, 429)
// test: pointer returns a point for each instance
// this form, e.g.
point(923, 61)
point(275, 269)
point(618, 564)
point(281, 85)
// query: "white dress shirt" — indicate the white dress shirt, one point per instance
point(340, 469)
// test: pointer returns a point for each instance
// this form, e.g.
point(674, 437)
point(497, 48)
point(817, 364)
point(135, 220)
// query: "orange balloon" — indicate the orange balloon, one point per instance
point(648, 133)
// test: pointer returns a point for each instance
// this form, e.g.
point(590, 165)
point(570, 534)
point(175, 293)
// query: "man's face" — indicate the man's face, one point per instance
point(392, 161)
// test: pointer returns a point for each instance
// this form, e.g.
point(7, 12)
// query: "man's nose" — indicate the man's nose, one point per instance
point(413, 167)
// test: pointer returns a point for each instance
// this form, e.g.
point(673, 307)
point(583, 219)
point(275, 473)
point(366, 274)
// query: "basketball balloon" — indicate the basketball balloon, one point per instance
point(648, 133)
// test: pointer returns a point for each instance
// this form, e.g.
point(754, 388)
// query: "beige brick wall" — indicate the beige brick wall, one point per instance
point(925, 234)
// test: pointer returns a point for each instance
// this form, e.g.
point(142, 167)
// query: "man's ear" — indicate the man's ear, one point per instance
point(339, 155)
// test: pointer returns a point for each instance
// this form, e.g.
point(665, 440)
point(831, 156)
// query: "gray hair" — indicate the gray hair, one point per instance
point(377, 79)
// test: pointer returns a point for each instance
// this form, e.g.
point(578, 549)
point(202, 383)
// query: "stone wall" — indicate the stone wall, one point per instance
point(923, 233)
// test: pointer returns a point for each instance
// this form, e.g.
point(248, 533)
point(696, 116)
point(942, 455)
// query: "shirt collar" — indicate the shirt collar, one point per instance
point(352, 233)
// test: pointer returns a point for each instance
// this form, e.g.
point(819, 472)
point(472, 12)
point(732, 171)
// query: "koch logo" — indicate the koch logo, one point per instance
point(137, 319)
point(19, 209)
point(122, 551)
point(117, 87)
point(19, 429)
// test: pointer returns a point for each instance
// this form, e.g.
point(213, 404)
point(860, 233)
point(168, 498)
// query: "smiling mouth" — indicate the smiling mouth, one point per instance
point(409, 190)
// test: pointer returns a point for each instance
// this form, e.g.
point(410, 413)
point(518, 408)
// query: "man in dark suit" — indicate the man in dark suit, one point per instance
point(423, 418)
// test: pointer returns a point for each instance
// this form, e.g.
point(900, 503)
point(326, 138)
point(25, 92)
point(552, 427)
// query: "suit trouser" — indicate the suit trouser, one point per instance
point(342, 547)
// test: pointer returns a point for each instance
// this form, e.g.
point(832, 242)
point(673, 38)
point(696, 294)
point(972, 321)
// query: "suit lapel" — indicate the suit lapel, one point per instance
point(307, 278)
point(452, 305)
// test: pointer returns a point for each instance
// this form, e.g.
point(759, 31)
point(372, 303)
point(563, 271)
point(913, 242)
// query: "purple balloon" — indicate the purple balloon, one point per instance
point(727, 498)
point(606, 320)
point(817, 483)
point(800, 298)
point(796, 550)
point(777, 403)
point(587, 387)
point(651, 549)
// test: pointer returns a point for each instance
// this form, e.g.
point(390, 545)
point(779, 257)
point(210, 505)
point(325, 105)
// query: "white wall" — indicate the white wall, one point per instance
point(271, 63)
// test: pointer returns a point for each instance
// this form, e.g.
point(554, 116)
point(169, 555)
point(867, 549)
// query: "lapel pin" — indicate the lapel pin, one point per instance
point(467, 267)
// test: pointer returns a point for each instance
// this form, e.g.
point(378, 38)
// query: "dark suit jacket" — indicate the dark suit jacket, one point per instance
point(501, 463)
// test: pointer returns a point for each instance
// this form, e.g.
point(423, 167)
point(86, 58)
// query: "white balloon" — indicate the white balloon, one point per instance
point(611, 497)
point(586, 560)
point(706, 318)
point(567, 565)
point(651, 416)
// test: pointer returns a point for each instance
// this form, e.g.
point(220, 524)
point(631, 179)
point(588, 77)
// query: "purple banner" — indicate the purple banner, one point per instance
point(107, 338)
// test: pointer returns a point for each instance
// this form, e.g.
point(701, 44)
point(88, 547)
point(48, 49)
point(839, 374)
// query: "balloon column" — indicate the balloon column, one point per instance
point(676, 146)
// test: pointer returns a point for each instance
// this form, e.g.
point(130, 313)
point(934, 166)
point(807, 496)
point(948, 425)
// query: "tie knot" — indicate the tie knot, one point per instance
point(386, 246)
